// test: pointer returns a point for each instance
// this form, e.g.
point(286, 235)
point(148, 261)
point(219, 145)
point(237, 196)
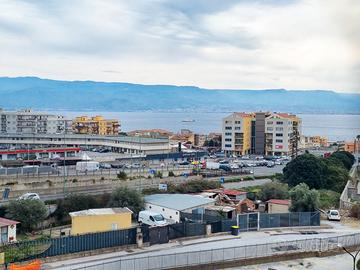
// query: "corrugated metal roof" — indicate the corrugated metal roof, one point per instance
point(277, 201)
point(178, 202)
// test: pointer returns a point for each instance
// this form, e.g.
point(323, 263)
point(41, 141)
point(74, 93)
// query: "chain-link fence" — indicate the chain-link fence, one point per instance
point(222, 255)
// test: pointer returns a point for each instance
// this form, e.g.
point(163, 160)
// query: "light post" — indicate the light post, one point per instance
point(348, 252)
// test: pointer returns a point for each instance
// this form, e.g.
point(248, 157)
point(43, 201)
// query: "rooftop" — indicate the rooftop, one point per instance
point(276, 201)
point(178, 202)
point(7, 222)
point(100, 211)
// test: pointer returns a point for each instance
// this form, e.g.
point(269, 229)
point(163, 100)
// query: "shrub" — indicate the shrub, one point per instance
point(125, 197)
point(355, 211)
point(328, 199)
point(274, 190)
point(304, 199)
point(171, 174)
point(122, 175)
point(28, 212)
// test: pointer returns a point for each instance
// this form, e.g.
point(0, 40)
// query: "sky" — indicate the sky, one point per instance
point(243, 44)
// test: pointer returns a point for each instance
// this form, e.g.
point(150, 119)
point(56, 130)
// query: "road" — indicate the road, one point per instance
point(226, 241)
point(338, 262)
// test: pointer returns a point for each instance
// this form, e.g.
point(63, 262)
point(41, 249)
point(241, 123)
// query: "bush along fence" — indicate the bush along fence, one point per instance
point(192, 225)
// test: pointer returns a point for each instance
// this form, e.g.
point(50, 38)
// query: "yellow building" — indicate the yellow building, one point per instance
point(236, 137)
point(96, 125)
point(100, 220)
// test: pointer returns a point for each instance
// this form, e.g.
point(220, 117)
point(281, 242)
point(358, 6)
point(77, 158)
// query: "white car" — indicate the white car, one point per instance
point(29, 196)
point(333, 215)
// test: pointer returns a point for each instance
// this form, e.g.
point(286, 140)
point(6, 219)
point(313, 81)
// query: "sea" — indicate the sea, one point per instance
point(335, 127)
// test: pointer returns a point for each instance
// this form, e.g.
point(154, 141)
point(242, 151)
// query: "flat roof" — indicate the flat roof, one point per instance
point(134, 139)
point(100, 211)
point(178, 202)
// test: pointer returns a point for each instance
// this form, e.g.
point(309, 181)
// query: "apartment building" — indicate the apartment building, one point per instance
point(96, 125)
point(313, 141)
point(30, 122)
point(236, 133)
point(261, 133)
point(282, 133)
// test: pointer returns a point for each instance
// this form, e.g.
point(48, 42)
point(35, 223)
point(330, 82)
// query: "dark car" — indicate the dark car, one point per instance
point(184, 163)
point(117, 165)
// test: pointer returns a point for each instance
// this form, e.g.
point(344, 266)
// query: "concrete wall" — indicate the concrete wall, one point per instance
point(277, 208)
point(100, 223)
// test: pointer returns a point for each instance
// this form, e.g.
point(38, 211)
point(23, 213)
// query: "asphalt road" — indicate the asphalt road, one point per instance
point(338, 262)
point(249, 238)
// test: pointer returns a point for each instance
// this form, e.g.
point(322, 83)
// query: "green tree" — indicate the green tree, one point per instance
point(346, 158)
point(303, 199)
point(75, 202)
point(307, 169)
point(125, 197)
point(328, 199)
point(28, 212)
point(273, 190)
point(335, 174)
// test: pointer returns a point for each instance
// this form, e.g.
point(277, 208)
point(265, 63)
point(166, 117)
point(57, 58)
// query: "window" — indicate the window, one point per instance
point(237, 128)
point(227, 139)
point(279, 141)
point(269, 122)
point(149, 206)
point(227, 122)
point(228, 128)
point(151, 218)
point(227, 145)
point(114, 226)
point(279, 129)
point(176, 213)
point(279, 135)
point(228, 133)
point(279, 122)
point(269, 129)
point(237, 122)
point(163, 209)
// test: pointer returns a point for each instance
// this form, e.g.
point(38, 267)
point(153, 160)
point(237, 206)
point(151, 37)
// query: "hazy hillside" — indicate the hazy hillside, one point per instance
point(44, 94)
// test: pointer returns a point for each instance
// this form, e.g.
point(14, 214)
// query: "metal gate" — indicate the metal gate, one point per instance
point(248, 222)
point(159, 235)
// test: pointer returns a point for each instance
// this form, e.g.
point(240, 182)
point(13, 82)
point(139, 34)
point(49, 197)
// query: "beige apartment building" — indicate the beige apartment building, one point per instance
point(96, 125)
point(261, 133)
point(236, 133)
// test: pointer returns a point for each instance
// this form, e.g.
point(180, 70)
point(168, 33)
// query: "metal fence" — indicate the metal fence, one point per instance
point(256, 221)
point(223, 255)
point(26, 250)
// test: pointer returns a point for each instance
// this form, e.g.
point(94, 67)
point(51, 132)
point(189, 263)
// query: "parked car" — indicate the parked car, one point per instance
point(117, 165)
point(184, 163)
point(151, 218)
point(105, 166)
point(29, 196)
point(333, 215)
point(87, 166)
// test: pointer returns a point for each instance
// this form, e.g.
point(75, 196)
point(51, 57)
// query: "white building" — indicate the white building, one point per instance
point(171, 205)
point(29, 122)
point(282, 131)
point(8, 230)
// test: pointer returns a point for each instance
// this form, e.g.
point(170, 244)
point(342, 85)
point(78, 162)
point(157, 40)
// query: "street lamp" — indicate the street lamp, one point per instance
point(348, 252)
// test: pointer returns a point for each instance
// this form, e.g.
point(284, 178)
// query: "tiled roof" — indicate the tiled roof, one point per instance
point(276, 201)
point(7, 222)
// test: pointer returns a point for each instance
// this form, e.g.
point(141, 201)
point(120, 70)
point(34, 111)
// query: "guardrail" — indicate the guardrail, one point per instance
point(223, 255)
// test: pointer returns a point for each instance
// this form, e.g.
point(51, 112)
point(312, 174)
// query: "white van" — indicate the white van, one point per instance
point(151, 218)
point(87, 166)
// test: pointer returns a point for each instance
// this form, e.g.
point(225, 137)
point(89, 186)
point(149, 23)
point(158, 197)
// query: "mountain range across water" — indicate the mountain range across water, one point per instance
point(45, 94)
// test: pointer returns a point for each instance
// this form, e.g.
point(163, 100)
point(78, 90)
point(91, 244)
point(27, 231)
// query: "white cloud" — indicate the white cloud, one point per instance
point(308, 44)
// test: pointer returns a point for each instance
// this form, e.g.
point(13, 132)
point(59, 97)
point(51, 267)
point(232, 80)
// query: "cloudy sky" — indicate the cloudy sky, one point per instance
point(243, 44)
